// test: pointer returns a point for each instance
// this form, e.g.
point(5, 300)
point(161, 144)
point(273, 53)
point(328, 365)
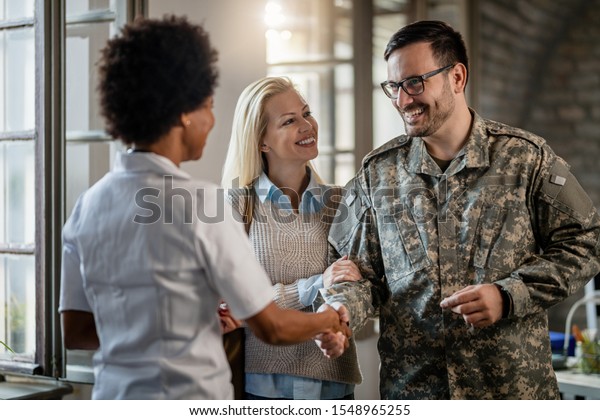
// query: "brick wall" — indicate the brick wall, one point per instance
point(540, 70)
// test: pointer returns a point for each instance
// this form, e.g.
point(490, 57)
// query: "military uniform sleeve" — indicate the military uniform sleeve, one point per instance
point(354, 233)
point(567, 229)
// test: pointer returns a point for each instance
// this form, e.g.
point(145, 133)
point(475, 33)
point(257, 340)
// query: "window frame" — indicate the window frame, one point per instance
point(49, 23)
point(38, 23)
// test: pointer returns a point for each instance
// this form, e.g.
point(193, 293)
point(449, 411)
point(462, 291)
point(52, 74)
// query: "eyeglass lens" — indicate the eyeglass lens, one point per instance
point(412, 86)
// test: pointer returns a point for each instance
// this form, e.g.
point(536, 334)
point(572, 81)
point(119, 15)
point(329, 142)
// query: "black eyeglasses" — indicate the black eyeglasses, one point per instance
point(413, 85)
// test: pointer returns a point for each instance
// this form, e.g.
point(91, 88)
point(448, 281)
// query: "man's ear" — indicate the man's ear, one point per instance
point(459, 77)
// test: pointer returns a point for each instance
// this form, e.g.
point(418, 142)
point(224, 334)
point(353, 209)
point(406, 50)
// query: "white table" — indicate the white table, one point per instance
point(573, 383)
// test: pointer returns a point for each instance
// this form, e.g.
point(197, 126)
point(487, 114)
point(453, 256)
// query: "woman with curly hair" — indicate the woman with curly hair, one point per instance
point(143, 269)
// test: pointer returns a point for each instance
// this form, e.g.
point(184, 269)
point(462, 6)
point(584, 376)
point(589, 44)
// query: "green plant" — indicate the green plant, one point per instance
point(6, 345)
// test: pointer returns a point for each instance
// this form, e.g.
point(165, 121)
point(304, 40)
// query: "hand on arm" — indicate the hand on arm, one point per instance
point(341, 270)
point(79, 330)
point(480, 305)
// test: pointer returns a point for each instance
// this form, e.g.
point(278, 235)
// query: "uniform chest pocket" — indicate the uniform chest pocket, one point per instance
point(502, 238)
point(346, 224)
point(402, 244)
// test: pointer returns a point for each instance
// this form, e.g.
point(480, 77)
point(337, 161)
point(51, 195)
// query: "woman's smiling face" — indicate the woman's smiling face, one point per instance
point(292, 132)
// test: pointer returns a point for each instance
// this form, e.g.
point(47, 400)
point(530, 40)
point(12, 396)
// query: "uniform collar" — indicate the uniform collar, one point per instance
point(147, 162)
point(474, 154)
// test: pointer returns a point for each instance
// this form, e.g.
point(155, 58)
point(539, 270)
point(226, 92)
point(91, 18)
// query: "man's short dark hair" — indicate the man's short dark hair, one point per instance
point(447, 44)
point(151, 73)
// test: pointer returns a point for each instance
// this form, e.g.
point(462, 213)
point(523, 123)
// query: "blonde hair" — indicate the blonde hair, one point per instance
point(244, 161)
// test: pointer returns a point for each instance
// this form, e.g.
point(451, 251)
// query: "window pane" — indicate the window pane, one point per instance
point(344, 108)
point(86, 164)
point(16, 9)
point(17, 316)
point(17, 208)
point(17, 86)
point(324, 165)
point(343, 29)
point(84, 43)
point(387, 123)
point(344, 168)
point(82, 6)
point(301, 30)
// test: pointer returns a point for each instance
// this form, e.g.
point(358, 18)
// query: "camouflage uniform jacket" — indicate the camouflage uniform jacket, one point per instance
point(506, 211)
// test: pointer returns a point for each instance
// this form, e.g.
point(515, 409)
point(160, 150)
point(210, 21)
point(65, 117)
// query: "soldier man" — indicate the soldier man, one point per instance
point(465, 231)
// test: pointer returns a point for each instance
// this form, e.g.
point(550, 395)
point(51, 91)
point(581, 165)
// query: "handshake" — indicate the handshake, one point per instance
point(329, 327)
point(334, 342)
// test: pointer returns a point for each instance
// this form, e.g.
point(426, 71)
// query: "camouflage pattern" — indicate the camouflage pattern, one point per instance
point(507, 211)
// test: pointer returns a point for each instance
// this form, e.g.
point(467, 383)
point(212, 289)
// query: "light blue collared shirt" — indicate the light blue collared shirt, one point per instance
point(289, 386)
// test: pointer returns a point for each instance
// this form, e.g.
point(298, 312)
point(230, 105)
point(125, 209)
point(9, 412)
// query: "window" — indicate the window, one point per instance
point(333, 51)
point(311, 42)
point(389, 16)
point(17, 180)
point(89, 150)
point(52, 147)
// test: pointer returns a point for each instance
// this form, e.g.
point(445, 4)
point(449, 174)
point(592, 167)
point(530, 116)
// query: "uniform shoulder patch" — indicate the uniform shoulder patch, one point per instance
point(499, 129)
point(394, 143)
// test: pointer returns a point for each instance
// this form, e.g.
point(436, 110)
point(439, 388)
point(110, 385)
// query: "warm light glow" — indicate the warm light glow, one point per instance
point(275, 36)
point(273, 16)
point(272, 35)
point(272, 8)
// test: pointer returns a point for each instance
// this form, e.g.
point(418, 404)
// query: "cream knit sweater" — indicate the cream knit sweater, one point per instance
point(290, 247)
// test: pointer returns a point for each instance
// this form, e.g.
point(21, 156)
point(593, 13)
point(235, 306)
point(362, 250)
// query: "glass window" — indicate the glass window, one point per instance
point(390, 15)
point(25, 230)
point(89, 150)
point(83, 6)
point(16, 9)
point(84, 42)
point(17, 181)
point(17, 205)
point(86, 164)
point(311, 42)
point(17, 85)
point(17, 315)
point(302, 30)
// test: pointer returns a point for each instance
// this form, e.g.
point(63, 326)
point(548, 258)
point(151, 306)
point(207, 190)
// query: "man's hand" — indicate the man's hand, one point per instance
point(480, 306)
point(341, 270)
point(334, 344)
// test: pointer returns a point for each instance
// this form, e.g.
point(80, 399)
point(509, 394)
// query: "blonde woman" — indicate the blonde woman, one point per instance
point(274, 138)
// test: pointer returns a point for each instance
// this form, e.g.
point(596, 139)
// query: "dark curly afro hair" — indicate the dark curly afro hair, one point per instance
point(151, 73)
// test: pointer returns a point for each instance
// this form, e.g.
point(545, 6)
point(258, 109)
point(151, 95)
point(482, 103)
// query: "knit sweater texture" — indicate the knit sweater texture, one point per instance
point(293, 246)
